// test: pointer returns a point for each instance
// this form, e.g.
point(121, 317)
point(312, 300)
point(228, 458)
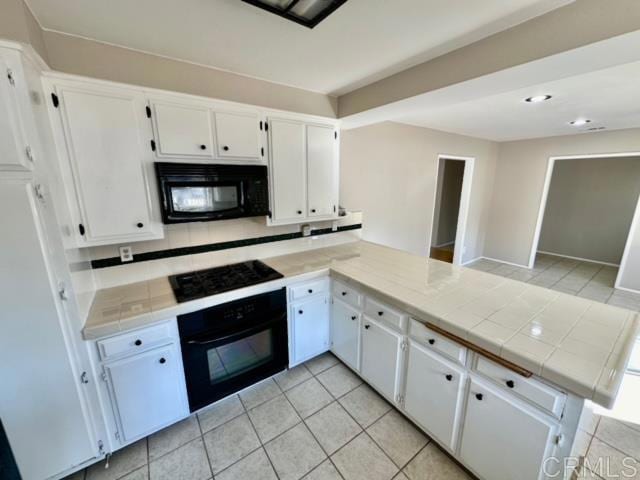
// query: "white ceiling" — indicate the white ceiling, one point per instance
point(608, 97)
point(363, 41)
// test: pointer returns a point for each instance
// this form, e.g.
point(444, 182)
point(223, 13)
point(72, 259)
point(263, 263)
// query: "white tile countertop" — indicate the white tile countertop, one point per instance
point(578, 344)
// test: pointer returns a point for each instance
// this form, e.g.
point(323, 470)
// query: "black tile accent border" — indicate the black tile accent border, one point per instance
point(212, 247)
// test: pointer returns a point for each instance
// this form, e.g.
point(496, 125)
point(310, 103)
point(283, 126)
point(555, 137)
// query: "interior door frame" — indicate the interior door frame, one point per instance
point(543, 203)
point(465, 200)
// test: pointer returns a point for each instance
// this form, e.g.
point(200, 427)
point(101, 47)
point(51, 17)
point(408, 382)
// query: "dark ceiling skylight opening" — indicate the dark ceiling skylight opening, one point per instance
point(305, 12)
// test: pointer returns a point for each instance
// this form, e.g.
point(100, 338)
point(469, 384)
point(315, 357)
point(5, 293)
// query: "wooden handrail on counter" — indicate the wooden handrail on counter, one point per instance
point(491, 356)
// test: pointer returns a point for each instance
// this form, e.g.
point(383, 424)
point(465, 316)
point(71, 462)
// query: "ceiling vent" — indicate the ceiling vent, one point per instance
point(305, 12)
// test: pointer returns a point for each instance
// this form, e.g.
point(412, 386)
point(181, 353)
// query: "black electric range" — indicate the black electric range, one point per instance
point(202, 283)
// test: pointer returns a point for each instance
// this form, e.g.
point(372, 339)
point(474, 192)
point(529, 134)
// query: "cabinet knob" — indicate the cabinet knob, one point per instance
point(344, 293)
point(479, 396)
point(310, 290)
point(225, 148)
point(380, 313)
point(163, 360)
point(313, 210)
point(300, 312)
point(299, 212)
point(140, 224)
point(449, 377)
point(353, 317)
point(510, 383)
point(431, 341)
point(138, 343)
point(367, 327)
point(203, 147)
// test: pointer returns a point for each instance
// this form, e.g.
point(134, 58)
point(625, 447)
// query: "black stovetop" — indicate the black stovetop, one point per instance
point(202, 283)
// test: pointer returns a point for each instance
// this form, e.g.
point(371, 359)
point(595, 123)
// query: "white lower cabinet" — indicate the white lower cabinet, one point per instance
point(381, 357)
point(309, 328)
point(345, 333)
point(144, 380)
point(503, 438)
point(434, 393)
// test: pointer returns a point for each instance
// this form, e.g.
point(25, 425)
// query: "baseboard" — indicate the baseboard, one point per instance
point(505, 262)
point(471, 261)
point(625, 289)
point(444, 244)
point(617, 265)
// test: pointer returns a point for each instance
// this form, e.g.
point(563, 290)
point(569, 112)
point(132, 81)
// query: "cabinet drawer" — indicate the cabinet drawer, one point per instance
point(346, 294)
point(530, 389)
point(134, 342)
point(384, 313)
point(433, 340)
point(303, 290)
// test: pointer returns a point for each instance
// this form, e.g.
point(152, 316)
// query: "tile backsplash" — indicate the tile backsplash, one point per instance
point(194, 234)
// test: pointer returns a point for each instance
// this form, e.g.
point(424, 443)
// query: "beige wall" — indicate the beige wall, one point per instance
point(450, 176)
point(519, 184)
point(388, 171)
point(17, 23)
point(590, 207)
point(79, 56)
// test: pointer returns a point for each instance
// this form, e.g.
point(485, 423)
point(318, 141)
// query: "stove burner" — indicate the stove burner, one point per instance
point(202, 283)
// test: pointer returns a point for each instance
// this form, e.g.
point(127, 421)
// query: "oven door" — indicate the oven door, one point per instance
point(221, 364)
point(201, 200)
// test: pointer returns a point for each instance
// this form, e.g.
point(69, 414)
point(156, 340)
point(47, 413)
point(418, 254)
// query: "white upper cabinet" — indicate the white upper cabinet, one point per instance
point(304, 171)
point(107, 137)
point(288, 170)
point(322, 171)
point(238, 135)
point(16, 153)
point(502, 438)
point(182, 130)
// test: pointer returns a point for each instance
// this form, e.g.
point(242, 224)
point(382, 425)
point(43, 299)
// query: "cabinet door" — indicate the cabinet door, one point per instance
point(322, 171)
point(434, 393)
point(237, 135)
point(42, 402)
point(108, 143)
point(503, 439)
point(381, 357)
point(148, 391)
point(288, 170)
point(183, 130)
point(345, 333)
point(15, 153)
point(309, 329)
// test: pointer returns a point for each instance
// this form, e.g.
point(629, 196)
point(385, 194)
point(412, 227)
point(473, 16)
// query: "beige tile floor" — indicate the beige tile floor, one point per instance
point(317, 421)
point(584, 279)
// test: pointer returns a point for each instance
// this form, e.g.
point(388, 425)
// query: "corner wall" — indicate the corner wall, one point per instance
point(388, 171)
point(518, 188)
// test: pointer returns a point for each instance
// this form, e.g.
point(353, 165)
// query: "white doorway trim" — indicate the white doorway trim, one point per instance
point(465, 199)
point(543, 203)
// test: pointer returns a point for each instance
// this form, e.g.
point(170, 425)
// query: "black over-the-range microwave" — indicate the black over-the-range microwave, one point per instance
point(203, 192)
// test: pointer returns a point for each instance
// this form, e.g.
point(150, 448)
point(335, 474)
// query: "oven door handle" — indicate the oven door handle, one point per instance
point(240, 334)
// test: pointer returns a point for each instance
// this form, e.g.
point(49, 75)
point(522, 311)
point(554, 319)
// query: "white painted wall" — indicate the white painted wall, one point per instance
point(589, 208)
point(518, 187)
point(388, 171)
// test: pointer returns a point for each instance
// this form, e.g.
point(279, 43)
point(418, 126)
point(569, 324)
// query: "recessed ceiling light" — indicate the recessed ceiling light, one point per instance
point(580, 122)
point(538, 98)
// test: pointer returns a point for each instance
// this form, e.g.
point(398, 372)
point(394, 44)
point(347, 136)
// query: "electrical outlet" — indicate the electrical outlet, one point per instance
point(334, 226)
point(305, 229)
point(126, 254)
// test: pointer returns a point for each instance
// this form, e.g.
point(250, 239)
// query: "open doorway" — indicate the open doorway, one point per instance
point(453, 189)
point(587, 210)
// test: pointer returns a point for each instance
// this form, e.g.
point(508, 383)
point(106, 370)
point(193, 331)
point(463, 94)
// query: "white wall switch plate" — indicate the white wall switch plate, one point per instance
point(126, 254)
